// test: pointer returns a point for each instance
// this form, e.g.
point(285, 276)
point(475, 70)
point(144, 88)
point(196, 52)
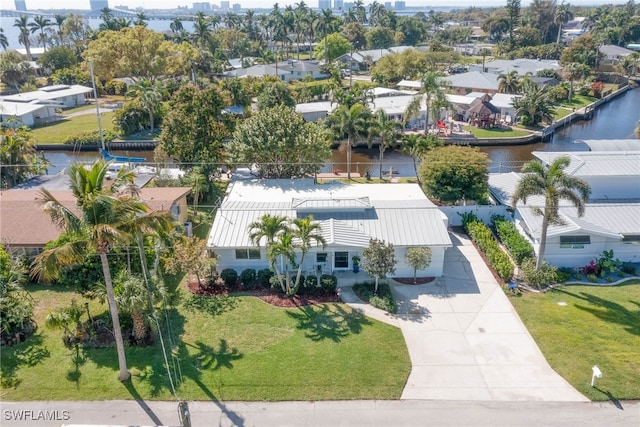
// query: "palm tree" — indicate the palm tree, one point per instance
point(201, 33)
point(3, 40)
point(141, 19)
point(103, 219)
point(416, 146)
point(484, 52)
point(377, 13)
point(148, 94)
point(430, 88)
point(305, 233)
point(509, 83)
point(214, 21)
point(562, 16)
point(350, 121)
point(631, 64)
point(325, 25)
point(59, 21)
point(39, 24)
point(270, 228)
point(534, 106)
point(554, 184)
point(176, 25)
point(22, 24)
point(573, 71)
point(389, 132)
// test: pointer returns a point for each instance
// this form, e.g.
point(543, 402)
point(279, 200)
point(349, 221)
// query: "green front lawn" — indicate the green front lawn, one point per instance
point(497, 132)
point(598, 326)
point(578, 101)
point(242, 349)
point(57, 132)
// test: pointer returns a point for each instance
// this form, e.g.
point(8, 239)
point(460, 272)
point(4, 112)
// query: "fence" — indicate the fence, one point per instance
point(483, 212)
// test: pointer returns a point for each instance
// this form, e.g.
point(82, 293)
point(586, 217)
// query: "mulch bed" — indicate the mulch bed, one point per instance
point(267, 295)
point(410, 281)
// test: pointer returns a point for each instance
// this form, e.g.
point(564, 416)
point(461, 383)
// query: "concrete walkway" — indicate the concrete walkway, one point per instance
point(466, 341)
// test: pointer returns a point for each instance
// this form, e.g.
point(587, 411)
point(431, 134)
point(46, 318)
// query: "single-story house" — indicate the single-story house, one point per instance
point(25, 227)
point(363, 59)
point(521, 65)
point(66, 95)
point(289, 70)
point(314, 111)
point(260, 70)
point(612, 54)
point(610, 220)
point(27, 113)
point(349, 216)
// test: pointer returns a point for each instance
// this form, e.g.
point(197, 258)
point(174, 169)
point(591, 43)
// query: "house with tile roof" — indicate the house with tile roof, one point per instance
point(349, 216)
point(610, 220)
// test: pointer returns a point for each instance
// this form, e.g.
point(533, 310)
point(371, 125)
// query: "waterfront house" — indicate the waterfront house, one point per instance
point(287, 71)
point(349, 216)
point(522, 66)
point(314, 111)
point(473, 81)
point(610, 221)
point(65, 96)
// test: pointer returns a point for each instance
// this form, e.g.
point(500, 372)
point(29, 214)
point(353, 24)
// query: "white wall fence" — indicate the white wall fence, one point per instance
point(484, 213)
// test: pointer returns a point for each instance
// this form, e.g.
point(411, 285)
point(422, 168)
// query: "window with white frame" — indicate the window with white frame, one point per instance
point(574, 242)
point(247, 253)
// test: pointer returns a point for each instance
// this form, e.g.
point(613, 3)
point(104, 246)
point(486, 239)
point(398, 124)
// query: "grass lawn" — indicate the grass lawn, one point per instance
point(240, 348)
point(578, 101)
point(561, 113)
point(598, 326)
point(497, 132)
point(55, 133)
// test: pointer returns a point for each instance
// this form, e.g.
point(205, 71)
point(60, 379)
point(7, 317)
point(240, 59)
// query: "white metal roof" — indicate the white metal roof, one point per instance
point(596, 163)
point(612, 144)
point(21, 108)
point(315, 107)
point(395, 104)
point(49, 93)
point(410, 83)
point(398, 213)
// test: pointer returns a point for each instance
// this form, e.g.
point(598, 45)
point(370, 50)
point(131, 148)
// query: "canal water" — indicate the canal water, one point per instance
point(614, 120)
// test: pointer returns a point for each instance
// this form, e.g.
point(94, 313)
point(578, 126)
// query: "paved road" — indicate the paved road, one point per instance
point(398, 413)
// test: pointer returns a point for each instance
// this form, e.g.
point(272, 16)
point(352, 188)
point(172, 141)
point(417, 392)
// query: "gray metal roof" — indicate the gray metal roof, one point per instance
point(397, 213)
point(473, 80)
point(596, 163)
point(612, 144)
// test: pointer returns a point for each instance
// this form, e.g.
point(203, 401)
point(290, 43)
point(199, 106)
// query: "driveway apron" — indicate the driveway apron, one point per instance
point(466, 341)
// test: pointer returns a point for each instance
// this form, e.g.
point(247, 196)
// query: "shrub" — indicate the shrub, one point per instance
point(592, 278)
point(564, 274)
point(596, 88)
point(606, 263)
point(609, 279)
point(311, 281)
point(263, 278)
point(538, 277)
point(229, 276)
point(590, 268)
point(628, 268)
point(517, 245)
point(383, 300)
point(90, 137)
point(483, 237)
point(385, 304)
point(115, 87)
point(329, 283)
point(248, 278)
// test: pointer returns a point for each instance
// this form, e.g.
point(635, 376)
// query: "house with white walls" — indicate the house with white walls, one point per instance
point(349, 216)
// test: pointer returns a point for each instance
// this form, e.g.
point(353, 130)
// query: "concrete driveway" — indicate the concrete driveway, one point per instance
point(466, 341)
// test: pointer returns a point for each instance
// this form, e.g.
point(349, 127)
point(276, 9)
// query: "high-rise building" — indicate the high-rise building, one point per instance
point(338, 4)
point(224, 5)
point(98, 4)
point(400, 5)
point(387, 5)
point(21, 5)
point(347, 5)
point(201, 6)
point(324, 4)
point(237, 7)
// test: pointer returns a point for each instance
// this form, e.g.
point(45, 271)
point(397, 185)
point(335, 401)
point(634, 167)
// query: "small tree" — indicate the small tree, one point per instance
point(378, 260)
point(190, 256)
point(419, 258)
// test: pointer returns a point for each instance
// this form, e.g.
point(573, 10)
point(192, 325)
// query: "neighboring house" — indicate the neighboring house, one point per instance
point(502, 101)
point(610, 221)
point(27, 113)
point(25, 228)
point(314, 111)
point(285, 70)
point(473, 81)
point(349, 216)
point(612, 54)
point(522, 66)
point(66, 96)
point(364, 59)
point(247, 61)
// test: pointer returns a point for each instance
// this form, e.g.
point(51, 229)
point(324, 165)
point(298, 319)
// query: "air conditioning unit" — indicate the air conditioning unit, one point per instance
point(188, 228)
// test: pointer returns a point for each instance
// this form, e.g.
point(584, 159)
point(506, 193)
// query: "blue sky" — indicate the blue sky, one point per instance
point(169, 4)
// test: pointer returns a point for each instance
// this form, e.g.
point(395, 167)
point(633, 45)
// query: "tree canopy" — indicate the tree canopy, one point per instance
point(379, 260)
point(281, 144)
point(453, 173)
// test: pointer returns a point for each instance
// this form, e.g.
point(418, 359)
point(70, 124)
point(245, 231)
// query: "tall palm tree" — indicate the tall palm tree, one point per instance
point(59, 22)
point(201, 33)
point(22, 24)
point(416, 146)
point(176, 25)
point(554, 184)
point(350, 121)
point(306, 233)
point(534, 106)
point(148, 94)
point(509, 82)
point(562, 16)
point(3, 40)
point(141, 19)
point(39, 24)
point(430, 89)
point(326, 25)
point(377, 13)
point(573, 71)
point(214, 21)
point(389, 132)
point(270, 229)
point(102, 219)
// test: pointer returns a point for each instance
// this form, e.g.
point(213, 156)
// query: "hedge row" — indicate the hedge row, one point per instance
point(481, 234)
point(517, 245)
point(90, 137)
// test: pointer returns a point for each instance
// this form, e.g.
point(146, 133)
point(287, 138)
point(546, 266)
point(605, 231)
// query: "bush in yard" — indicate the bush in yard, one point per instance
point(628, 268)
point(607, 264)
point(263, 278)
point(229, 276)
point(311, 281)
point(90, 137)
point(329, 283)
point(481, 234)
point(517, 245)
point(383, 300)
point(248, 278)
point(538, 277)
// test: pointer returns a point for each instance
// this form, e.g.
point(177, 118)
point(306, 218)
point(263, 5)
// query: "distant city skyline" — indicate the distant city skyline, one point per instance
point(261, 4)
